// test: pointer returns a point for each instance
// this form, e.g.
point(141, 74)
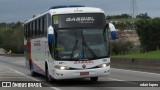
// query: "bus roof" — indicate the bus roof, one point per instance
point(65, 6)
point(68, 10)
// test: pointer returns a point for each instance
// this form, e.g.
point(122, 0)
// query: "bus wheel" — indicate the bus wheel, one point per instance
point(94, 79)
point(32, 71)
point(48, 77)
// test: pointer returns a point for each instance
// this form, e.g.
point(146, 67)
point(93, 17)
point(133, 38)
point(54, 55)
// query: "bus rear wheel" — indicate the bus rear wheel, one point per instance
point(94, 79)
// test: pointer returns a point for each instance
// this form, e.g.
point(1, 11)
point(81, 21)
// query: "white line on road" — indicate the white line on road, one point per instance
point(137, 71)
point(11, 77)
point(55, 88)
point(121, 80)
point(115, 79)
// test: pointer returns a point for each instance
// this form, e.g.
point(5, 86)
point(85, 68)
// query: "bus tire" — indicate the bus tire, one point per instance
point(94, 79)
point(33, 73)
point(48, 77)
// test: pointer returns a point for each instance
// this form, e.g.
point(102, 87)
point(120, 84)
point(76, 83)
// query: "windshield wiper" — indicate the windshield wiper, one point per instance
point(90, 50)
point(74, 47)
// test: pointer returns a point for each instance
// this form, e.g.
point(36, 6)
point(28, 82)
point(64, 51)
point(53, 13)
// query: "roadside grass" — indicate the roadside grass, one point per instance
point(148, 55)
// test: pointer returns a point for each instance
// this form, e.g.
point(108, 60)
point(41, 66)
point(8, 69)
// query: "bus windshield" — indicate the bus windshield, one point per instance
point(79, 44)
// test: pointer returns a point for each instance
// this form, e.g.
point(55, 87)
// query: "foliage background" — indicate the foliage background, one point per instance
point(11, 37)
point(148, 29)
point(149, 33)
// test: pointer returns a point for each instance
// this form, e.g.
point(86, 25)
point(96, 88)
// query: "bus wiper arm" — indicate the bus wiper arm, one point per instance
point(91, 51)
point(84, 43)
point(74, 47)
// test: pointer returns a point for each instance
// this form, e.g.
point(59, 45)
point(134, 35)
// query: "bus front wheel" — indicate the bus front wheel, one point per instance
point(48, 77)
point(94, 79)
point(32, 71)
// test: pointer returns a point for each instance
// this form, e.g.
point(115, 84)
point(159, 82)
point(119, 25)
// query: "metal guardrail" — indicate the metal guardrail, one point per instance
point(151, 65)
point(12, 55)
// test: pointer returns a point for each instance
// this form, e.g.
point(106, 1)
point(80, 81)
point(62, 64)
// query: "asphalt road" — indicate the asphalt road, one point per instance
point(13, 69)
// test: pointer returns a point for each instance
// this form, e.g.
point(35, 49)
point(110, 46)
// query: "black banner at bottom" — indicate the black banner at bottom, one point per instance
point(72, 83)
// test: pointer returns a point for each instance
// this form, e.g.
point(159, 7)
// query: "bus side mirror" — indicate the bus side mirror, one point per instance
point(112, 29)
point(50, 34)
point(107, 25)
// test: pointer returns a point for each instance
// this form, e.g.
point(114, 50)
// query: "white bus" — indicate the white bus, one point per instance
point(68, 42)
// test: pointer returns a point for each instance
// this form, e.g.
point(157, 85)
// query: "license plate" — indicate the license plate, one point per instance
point(84, 73)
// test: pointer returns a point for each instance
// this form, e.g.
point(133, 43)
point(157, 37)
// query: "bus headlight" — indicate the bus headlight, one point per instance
point(62, 67)
point(104, 65)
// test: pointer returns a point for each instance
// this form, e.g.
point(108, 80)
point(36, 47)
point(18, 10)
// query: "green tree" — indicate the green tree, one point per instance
point(144, 16)
point(149, 33)
point(12, 38)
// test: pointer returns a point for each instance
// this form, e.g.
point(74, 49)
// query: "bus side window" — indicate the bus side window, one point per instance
point(41, 20)
point(28, 31)
point(31, 29)
point(43, 26)
point(35, 27)
point(49, 20)
point(39, 27)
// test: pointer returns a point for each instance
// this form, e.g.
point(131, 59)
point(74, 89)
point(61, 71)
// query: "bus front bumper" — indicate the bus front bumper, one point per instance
point(84, 73)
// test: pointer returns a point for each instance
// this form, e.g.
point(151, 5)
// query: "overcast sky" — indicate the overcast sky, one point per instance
point(21, 10)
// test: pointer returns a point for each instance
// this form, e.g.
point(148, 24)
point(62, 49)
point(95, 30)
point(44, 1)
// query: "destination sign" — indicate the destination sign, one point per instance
point(79, 20)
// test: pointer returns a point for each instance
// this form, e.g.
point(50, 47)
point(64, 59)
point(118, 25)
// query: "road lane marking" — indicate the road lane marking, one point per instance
point(11, 77)
point(137, 71)
point(115, 79)
point(122, 80)
point(55, 88)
